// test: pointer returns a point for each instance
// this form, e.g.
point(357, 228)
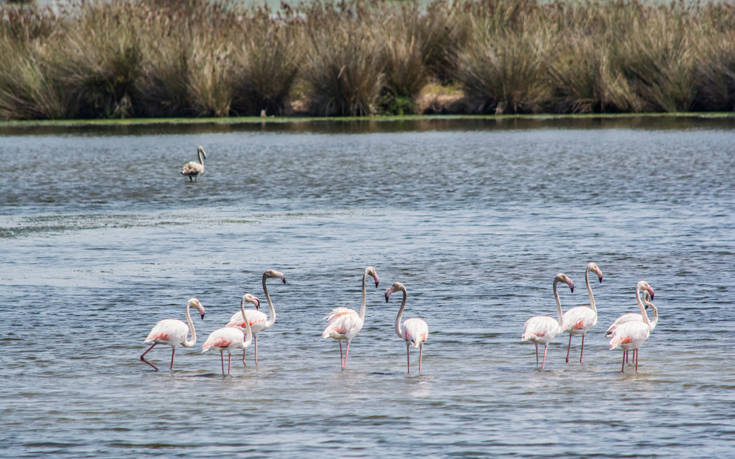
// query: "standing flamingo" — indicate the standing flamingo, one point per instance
point(194, 169)
point(543, 329)
point(258, 320)
point(414, 331)
point(231, 338)
point(173, 332)
point(631, 335)
point(579, 319)
point(635, 316)
point(345, 323)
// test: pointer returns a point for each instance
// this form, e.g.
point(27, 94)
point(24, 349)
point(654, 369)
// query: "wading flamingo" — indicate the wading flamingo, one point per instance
point(579, 319)
point(414, 331)
point(173, 332)
point(635, 316)
point(194, 169)
point(231, 338)
point(543, 329)
point(258, 320)
point(630, 335)
point(345, 323)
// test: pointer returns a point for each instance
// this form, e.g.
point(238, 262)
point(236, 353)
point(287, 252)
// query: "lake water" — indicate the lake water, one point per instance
point(101, 237)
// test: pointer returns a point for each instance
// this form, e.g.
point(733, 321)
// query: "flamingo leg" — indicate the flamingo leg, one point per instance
point(421, 352)
point(635, 356)
point(255, 344)
point(625, 355)
point(347, 353)
point(229, 363)
point(581, 350)
point(536, 355)
point(543, 364)
point(569, 346)
point(243, 358)
point(408, 363)
point(341, 357)
point(222, 361)
point(173, 351)
point(142, 357)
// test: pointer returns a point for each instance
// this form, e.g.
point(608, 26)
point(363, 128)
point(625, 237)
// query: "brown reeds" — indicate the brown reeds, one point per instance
point(357, 57)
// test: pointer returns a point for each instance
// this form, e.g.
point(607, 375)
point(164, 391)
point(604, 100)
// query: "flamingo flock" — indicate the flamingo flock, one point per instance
point(628, 332)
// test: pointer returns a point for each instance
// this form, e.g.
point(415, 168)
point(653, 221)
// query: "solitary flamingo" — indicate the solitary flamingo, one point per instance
point(543, 329)
point(345, 323)
point(632, 334)
point(231, 338)
point(579, 319)
point(194, 169)
point(173, 332)
point(414, 331)
point(258, 320)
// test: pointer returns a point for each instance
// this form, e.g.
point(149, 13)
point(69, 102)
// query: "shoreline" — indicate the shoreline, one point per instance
point(253, 120)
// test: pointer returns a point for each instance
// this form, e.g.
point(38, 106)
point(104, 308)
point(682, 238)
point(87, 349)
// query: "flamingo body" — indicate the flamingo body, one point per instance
point(634, 317)
point(632, 334)
point(415, 331)
point(257, 320)
point(227, 339)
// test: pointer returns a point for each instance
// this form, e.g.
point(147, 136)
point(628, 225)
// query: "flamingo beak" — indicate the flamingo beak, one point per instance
point(377, 280)
point(202, 314)
point(650, 290)
point(283, 278)
point(387, 294)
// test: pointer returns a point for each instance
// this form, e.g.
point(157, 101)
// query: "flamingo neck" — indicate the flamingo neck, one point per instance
point(364, 293)
point(399, 327)
point(272, 318)
point(589, 290)
point(248, 332)
point(193, 341)
point(558, 304)
point(201, 158)
point(640, 305)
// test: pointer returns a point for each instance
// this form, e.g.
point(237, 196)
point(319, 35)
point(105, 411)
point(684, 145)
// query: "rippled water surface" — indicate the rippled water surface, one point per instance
point(101, 237)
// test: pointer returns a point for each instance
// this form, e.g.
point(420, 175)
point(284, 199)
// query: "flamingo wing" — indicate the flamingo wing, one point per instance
point(540, 329)
point(192, 168)
point(168, 331)
point(579, 319)
point(628, 317)
point(342, 323)
point(224, 339)
point(630, 335)
point(256, 318)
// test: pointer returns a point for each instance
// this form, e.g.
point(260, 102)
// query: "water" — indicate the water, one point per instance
point(101, 238)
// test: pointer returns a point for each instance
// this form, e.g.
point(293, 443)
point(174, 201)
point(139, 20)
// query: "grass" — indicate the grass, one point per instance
point(204, 58)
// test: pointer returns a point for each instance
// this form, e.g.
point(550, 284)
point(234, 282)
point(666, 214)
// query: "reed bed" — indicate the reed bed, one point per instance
point(144, 58)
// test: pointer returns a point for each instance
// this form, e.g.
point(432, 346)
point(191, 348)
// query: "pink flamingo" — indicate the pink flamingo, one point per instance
point(415, 331)
point(579, 319)
point(632, 334)
point(173, 332)
point(543, 329)
point(194, 169)
point(231, 338)
point(345, 323)
point(258, 320)
point(635, 316)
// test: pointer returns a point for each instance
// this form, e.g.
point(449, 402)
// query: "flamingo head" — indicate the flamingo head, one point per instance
point(643, 285)
point(194, 303)
point(250, 299)
point(372, 273)
point(561, 277)
point(201, 150)
point(595, 269)
point(273, 273)
point(397, 286)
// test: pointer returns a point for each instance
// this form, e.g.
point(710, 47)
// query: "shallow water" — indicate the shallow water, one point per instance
point(101, 238)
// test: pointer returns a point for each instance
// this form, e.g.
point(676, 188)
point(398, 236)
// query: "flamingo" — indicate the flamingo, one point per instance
point(579, 319)
point(543, 329)
point(345, 323)
point(231, 338)
point(414, 331)
point(632, 334)
point(194, 169)
point(258, 320)
point(635, 316)
point(173, 332)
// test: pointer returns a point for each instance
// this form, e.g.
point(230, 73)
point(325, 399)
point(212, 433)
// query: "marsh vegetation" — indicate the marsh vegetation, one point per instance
point(164, 58)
